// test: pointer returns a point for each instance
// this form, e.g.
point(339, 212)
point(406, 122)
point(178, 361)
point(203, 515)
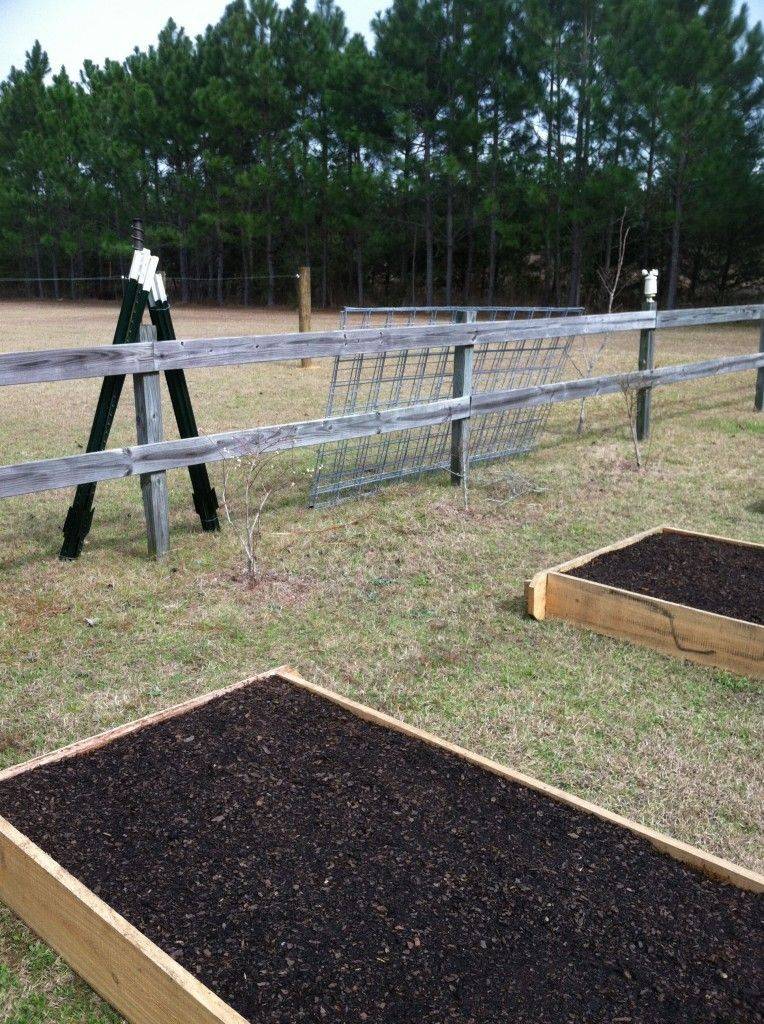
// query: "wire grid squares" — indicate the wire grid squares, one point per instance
point(364, 383)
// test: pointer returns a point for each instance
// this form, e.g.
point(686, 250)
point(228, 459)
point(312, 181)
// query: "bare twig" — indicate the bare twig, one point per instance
point(610, 282)
point(610, 277)
point(630, 400)
point(246, 491)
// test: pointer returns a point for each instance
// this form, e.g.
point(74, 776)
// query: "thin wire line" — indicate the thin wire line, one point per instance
point(65, 279)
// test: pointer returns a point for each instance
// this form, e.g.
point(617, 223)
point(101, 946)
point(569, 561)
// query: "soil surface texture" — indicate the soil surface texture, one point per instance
point(710, 574)
point(307, 865)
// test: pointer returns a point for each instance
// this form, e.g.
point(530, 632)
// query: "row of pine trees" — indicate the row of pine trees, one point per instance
point(475, 151)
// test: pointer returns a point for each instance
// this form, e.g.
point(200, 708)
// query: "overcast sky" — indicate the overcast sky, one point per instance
point(72, 30)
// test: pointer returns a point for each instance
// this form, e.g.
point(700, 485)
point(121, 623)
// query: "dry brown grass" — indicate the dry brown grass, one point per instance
point(406, 601)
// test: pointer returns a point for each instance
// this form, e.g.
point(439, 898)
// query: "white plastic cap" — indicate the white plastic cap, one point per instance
point(150, 271)
point(135, 266)
point(143, 268)
point(141, 263)
point(651, 283)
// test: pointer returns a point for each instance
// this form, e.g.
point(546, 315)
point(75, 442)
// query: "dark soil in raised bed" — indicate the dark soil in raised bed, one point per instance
point(710, 574)
point(309, 866)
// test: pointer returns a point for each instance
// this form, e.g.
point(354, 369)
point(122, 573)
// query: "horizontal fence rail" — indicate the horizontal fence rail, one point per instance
point(612, 383)
point(49, 474)
point(35, 367)
point(39, 366)
point(708, 315)
point(114, 463)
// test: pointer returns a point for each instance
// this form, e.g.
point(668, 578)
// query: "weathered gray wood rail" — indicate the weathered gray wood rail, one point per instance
point(193, 353)
point(708, 315)
point(38, 366)
point(115, 463)
point(612, 383)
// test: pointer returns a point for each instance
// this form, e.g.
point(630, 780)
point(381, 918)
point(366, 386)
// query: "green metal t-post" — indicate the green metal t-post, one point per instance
point(79, 518)
point(205, 499)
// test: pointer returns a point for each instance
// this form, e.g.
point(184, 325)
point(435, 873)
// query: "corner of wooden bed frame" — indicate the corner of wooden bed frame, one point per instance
point(535, 587)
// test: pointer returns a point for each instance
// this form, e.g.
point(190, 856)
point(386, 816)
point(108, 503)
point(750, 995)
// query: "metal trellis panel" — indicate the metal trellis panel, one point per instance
point(362, 383)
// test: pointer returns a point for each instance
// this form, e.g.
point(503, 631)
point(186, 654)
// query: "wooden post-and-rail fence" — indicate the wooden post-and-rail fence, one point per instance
point(152, 456)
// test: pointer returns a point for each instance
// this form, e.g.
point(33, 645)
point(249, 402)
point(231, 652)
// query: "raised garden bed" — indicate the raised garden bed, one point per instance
point(691, 595)
point(274, 852)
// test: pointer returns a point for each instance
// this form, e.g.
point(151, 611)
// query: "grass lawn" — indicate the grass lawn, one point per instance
point(405, 601)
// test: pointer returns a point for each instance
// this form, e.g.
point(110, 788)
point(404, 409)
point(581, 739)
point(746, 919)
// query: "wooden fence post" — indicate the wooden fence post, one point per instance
point(460, 429)
point(303, 305)
point(646, 356)
point(148, 418)
point(758, 402)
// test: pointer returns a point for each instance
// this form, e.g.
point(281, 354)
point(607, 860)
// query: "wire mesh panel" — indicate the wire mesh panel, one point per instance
point(362, 383)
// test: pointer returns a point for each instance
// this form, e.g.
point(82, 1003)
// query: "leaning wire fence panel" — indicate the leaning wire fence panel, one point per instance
point(362, 383)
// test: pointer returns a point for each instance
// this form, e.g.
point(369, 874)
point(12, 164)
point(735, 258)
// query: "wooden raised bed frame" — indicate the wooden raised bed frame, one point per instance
point(676, 629)
point(133, 974)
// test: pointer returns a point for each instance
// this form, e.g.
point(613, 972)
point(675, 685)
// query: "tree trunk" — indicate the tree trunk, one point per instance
point(697, 266)
point(581, 168)
point(608, 246)
point(219, 270)
point(324, 229)
point(359, 274)
point(576, 259)
point(429, 241)
point(676, 229)
point(54, 267)
point(449, 241)
point(244, 270)
point(271, 299)
point(183, 261)
point(725, 272)
point(550, 196)
point(324, 267)
point(470, 265)
point(647, 256)
point(558, 197)
point(492, 232)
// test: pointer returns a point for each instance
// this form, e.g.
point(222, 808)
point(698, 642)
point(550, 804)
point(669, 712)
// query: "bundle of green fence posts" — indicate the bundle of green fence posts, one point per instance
point(143, 288)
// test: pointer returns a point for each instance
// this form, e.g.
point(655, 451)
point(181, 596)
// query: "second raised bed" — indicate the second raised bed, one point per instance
point(692, 595)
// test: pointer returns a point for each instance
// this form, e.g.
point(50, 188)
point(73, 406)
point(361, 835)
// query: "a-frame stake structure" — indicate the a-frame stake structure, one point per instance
point(143, 288)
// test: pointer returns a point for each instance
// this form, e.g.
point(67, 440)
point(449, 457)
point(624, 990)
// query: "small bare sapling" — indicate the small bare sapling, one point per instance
point(251, 479)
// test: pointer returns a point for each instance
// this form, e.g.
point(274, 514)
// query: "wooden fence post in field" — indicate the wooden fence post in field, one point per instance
point(758, 402)
point(303, 305)
point(460, 428)
point(148, 418)
point(646, 356)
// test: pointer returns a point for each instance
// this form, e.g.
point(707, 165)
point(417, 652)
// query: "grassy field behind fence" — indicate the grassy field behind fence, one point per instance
point(405, 601)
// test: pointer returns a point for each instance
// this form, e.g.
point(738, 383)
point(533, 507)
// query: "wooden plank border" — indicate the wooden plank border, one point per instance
point(671, 628)
point(535, 587)
point(129, 971)
point(133, 974)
